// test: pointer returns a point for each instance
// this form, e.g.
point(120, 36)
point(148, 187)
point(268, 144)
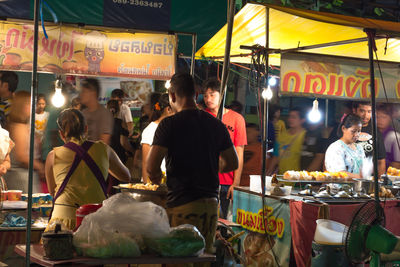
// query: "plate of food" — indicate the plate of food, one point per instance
point(393, 174)
point(316, 177)
point(141, 188)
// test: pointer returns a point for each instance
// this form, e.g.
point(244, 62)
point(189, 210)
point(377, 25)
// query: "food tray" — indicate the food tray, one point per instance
point(141, 191)
point(340, 200)
point(393, 178)
point(337, 181)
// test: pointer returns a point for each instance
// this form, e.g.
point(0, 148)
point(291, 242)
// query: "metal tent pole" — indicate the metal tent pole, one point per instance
point(265, 113)
point(192, 62)
point(225, 68)
point(326, 112)
point(371, 47)
point(34, 87)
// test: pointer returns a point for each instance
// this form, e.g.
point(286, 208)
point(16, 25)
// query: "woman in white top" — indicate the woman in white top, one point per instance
point(161, 110)
point(345, 155)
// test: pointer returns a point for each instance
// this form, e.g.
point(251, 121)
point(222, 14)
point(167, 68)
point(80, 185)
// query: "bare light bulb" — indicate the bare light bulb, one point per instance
point(58, 98)
point(272, 81)
point(267, 93)
point(314, 115)
point(168, 84)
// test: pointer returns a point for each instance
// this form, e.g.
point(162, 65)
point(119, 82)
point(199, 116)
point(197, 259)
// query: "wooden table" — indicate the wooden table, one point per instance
point(37, 253)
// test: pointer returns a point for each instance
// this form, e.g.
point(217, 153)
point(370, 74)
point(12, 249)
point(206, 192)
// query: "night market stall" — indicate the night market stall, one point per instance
point(89, 47)
point(321, 55)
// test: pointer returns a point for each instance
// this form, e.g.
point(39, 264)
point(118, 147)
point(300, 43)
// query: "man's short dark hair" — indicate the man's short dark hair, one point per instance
point(236, 106)
point(182, 85)
point(212, 84)
point(11, 78)
point(117, 93)
point(300, 111)
point(357, 104)
point(91, 84)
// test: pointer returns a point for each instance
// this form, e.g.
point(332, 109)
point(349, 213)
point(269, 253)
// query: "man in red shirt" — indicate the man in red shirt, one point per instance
point(236, 126)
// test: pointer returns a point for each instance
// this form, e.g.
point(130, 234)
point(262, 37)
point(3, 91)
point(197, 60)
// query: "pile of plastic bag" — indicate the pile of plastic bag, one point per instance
point(124, 227)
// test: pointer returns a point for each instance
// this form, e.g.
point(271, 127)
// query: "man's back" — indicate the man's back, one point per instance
point(194, 140)
point(99, 122)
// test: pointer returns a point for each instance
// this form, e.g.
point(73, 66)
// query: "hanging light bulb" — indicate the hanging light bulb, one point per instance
point(314, 115)
point(267, 93)
point(272, 81)
point(168, 84)
point(58, 98)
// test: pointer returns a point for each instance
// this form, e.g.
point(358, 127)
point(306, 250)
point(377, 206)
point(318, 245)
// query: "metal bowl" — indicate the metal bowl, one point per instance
point(363, 185)
point(158, 197)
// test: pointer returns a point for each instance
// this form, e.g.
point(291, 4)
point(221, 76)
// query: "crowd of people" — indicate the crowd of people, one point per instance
point(203, 158)
point(348, 147)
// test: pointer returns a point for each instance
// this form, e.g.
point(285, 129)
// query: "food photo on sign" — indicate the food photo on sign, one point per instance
point(137, 91)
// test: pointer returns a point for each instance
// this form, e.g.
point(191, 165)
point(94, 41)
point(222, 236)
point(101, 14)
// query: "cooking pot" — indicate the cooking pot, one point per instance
point(363, 185)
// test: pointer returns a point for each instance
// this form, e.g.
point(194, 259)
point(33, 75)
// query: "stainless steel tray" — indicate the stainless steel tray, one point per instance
point(280, 179)
point(162, 192)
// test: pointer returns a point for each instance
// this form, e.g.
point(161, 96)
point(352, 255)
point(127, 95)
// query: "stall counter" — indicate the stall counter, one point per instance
point(292, 221)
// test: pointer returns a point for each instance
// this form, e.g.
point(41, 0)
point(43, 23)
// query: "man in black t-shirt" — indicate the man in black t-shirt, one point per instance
point(196, 146)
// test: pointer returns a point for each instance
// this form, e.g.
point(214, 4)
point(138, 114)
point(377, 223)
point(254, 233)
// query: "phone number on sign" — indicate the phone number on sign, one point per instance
point(140, 3)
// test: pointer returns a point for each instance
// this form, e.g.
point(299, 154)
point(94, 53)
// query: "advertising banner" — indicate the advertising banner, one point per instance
point(318, 75)
point(137, 14)
point(260, 245)
point(69, 50)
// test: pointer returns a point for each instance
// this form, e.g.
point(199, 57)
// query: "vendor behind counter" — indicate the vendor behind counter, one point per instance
point(76, 173)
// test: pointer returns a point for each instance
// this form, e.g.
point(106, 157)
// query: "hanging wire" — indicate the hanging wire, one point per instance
point(259, 63)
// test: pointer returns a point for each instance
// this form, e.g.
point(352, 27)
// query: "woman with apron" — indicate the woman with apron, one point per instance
point(76, 172)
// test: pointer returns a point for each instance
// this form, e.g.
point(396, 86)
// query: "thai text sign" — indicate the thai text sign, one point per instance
point(268, 229)
point(69, 50)
point(303, 73)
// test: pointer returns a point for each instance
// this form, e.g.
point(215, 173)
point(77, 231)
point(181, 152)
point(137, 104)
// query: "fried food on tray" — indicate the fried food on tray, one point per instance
point(148, 186)
point(315, 176)
point(393, 171)
point(384, 192)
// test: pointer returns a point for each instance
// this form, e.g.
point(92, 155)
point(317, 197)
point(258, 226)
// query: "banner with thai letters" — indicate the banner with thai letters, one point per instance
point(318, 75)
point(268, 235)
point(69, 50)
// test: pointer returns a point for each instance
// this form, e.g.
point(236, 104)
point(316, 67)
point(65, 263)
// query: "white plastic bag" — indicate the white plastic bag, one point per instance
point(121, 215)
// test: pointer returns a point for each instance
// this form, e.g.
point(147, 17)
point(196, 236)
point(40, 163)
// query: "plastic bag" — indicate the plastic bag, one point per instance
point(109, 245)
point(120, 216)
point(182, 241)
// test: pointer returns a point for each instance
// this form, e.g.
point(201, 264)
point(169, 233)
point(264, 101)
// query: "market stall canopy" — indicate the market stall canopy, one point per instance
point(291, 28)
point(143, 15)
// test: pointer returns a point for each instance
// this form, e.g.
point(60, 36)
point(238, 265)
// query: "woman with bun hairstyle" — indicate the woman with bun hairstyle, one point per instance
point(345, 155)
point(76, 172)
point(160, 110)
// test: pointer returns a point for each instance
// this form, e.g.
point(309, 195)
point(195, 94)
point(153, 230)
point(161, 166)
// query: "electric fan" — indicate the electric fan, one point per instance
point(366, 238)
